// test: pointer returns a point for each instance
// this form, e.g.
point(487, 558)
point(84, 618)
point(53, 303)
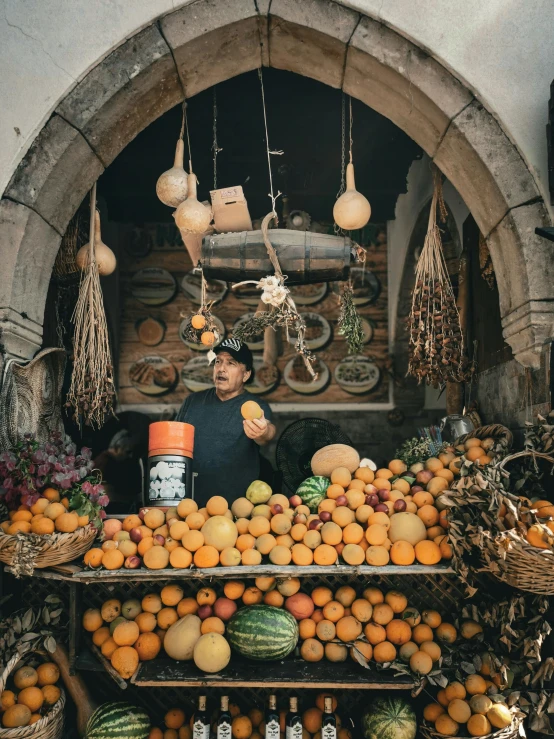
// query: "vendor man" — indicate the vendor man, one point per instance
point(226, 447)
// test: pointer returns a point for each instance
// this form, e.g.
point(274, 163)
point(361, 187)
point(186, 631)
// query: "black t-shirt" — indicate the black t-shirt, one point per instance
point(226, 460)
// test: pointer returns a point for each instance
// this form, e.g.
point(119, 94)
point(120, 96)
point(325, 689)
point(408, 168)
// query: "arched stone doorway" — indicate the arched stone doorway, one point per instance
point(209, 41)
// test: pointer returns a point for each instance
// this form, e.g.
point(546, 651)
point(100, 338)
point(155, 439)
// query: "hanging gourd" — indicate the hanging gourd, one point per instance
point(172, 186)
point(352, 210)
point(191, 216)
point(105, 258)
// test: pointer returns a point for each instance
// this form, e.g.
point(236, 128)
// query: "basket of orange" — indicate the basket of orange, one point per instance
point(465, 709)
point(54, 501)
point(493, 438)
point(31, 703)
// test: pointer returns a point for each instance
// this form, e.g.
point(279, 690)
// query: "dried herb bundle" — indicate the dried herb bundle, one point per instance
point(350, 323)
point(416, 450)
point(436, 342)
point(92, 390)
point(30, 629)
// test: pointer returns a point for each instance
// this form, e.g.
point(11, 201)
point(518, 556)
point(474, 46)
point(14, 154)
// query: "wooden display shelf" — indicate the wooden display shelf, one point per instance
point(226, 573)
point(290, 673)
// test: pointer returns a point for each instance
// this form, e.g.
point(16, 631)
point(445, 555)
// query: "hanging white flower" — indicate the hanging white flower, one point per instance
point(269, 283)
point(267, 298)
point(279, 295)
point(211, 355)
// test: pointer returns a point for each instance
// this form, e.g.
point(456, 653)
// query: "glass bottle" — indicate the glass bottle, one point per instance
point(272, 728)
point(329, 722)
point(224, 719)
point(293, 724)
point(201, 726)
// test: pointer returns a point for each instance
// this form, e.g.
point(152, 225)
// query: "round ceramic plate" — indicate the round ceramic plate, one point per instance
point(191, 285)
point(248, 294)
point(298, 378)
point(266, 377)
point(318, 331)
point(256, 342)
point(197, 374)
point(357, 374)
point(367, 328)
point(365, 284)
point(308, 294)
point(153, 375)
point(219, 327)
point(153, 286)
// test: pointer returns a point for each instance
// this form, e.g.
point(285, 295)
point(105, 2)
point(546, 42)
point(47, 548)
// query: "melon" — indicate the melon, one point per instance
point(258, 492)
point(389, 718)
point(118, 720)
point(330, 457)
point(219, 532)
point(313, 491)
point(181, 637)
point(262, 632)
point(212, 653)
point(407, 527)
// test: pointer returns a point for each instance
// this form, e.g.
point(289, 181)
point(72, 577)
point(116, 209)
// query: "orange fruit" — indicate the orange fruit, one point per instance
point(252, 596)
point(113, 559)
point(427, 552)
point(333, 491)
point(459, 710)
point(382, 613)
point(174, 718)
point(455, 690)
point(51, 694)
point(31, 697)
point(362, 610)
point(422, 633)
point(446, 632)
point(421, 663)
point(46, 526)
point(429, 515)
point(384, 652)
point(397, 601)
point(251, 557)
point(321, 596)
point(432, 711)
point(355, 497)
point(381, 518)
point(398, 632)
point(148, 646)
point(353, 554)
point(383, 474)
point(325, 630)
point(307, 627)
point(180, 558)
point(333, 611)
point(365, 474)
point(217, 506)
point(92, 621)
point(432, 649)
point(377, 556)
point(312, 650)
point(431, 618)
point(376, 535)
point(325, 554)
point(193, 540)
point(375, 634)
point(348, 628)
point(341, 476)
point(51, 494)
point(146, 622)
point(446, 725)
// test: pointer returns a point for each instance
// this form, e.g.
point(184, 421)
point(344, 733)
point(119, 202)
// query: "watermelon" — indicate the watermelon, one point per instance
point(313, 490)
point(118, 721)
point(262, 632)
point(390, 718)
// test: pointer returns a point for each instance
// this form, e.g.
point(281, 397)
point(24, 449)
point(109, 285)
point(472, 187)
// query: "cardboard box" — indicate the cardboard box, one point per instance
point(230, 210)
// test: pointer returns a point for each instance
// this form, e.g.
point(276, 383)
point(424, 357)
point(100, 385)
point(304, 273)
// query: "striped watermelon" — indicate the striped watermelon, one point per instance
point(262, 632)
point(118, 721)
point(313, 490)
point(390, 718)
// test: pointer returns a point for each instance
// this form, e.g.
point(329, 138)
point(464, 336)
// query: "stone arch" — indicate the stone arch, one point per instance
point(209, 41)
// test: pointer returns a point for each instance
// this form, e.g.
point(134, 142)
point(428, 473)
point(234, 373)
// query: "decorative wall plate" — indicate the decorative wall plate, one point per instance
point(318, 331)
point(220, 328)
point(365, 284)
point(266, 377)
point(367, 328)
point(308, 294)
point(191, 285)
point(153, 286)
point(357, 374)
point(299, 379)
point(197, 374)
point(150, 331)
point(248, 294)
point(153, 375)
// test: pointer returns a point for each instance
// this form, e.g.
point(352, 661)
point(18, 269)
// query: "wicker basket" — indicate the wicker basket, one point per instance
point(513, 560)
point(494, 431)
point(510, 732)
point(24, 552)
point(49, 726)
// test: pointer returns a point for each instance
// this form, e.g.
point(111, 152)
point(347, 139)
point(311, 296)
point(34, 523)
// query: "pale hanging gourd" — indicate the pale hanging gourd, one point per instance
point(105, 258)
point(352, 210)
point(172, 186)
point(191, 216)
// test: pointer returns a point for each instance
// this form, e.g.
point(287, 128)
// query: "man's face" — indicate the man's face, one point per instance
point(229, 375)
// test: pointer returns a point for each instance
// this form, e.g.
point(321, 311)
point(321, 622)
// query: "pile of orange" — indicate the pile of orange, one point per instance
point(373, 626)
point(250, 724)
point(48, 515)
point(30, 694)
point(467, 706)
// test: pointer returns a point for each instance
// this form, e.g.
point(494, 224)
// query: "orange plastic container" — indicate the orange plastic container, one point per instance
point(171, 437)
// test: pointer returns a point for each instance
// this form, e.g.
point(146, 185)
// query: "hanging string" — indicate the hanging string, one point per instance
point(351, 122)
point(215, 147)
point(278, 152)
point(185, 126)
point(337, 229)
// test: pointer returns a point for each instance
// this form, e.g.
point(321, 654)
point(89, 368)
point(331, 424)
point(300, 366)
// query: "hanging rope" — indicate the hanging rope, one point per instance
point(215, 147)
point(337, 229)
point(351, 123)
point(185, 126)
point(269, 151)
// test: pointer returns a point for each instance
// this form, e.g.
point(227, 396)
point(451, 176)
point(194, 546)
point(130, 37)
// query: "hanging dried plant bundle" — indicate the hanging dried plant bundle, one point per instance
point(92, 390)
point(436, 340)
point(350, 323)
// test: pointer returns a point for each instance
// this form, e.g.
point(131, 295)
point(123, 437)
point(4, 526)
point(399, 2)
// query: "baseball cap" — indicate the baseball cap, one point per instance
point(237, 350)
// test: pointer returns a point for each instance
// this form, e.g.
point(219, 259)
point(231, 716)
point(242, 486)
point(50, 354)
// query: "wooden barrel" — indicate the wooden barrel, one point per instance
point(304, 256)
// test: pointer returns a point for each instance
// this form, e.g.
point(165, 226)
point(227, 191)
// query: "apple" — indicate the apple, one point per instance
point(341, 500)
point(400, 505)
point(372, 500)
point(224, 608)
point(370, 489)
point(136, 534)
point(325, 516)
point(295, 501)
point(383, 494)
point(159, 540)
point(315, 524)
point(424, 476)
point(131, 608)
point(132, 563)
point(381, 508)
point(415, 489)
point(300, 518)
point(204, 612)
point(276, 508)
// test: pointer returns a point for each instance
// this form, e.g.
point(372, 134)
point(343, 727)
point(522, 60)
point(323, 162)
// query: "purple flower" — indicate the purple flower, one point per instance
point(87, 487)
point(103, 500)
point(10, 466)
